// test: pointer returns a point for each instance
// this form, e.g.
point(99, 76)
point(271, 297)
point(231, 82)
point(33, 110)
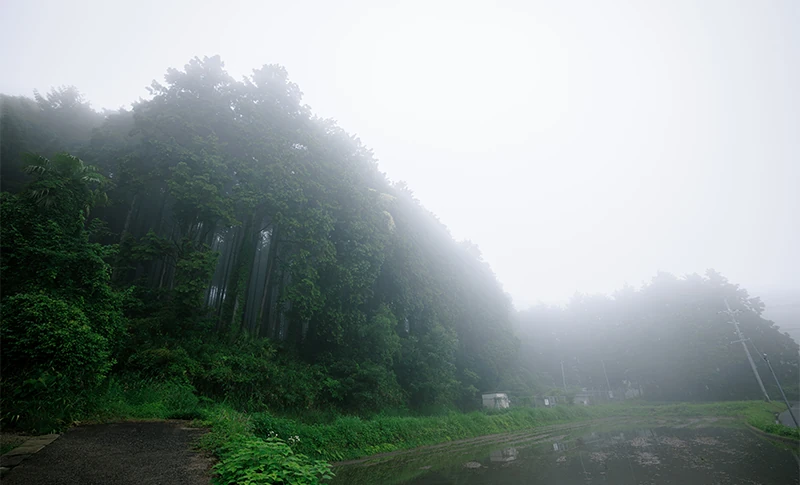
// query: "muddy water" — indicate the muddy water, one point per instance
point(619, 453)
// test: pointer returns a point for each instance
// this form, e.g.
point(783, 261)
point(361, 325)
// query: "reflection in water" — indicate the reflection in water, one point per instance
point(651, 456)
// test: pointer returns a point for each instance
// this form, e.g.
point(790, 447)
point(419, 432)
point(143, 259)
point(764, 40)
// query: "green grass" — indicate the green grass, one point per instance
point(350, 437)
point(146, 399)
point(247, 458)
point(116, 399)
point(758, 414)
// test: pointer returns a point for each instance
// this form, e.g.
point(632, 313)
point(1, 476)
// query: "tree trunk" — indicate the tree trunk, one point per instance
point(243, 258)
point(230, 254)
point(127, 226)
point(266, 298)
point(160, 217)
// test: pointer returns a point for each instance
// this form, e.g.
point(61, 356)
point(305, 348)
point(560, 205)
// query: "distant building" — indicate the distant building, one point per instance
point(496, 400)
point(545, 401)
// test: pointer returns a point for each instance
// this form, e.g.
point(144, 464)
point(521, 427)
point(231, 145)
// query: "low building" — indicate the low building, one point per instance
point(545, 401)
point(496, 400)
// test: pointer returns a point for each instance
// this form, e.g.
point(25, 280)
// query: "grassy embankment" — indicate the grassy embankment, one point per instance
point(351, 437)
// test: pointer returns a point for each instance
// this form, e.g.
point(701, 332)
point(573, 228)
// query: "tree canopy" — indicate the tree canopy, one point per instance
point(672, 339)
point(220, 233)
point(234, 211)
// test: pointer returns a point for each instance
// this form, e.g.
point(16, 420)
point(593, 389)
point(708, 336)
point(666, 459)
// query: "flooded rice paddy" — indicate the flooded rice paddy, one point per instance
point(619, 452)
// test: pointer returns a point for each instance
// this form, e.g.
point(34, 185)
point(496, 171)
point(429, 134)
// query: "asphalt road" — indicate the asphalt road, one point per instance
point(786, 419)
point(140, 453)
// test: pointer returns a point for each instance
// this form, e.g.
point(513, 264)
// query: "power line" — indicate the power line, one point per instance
point(610, 392)
point(780, 388)
point(746, 350)
point(788, 406)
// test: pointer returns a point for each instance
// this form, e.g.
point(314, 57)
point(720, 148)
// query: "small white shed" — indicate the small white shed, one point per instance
point(496, 400)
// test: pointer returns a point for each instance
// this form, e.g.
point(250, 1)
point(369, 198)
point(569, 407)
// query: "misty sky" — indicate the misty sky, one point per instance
point(581, 145)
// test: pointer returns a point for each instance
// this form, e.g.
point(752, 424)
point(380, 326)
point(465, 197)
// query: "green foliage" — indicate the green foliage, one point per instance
point(163, 363)
point(254, 461)
point(246, 458)
point(58, 121)
point(134, 396)
point(254, 254)
point(252, 374)
point(46, 335)
point(193, 270)
point(61, 321)
point(235, 213)
point(349, 437)
point(782, 430)
point(65, 180)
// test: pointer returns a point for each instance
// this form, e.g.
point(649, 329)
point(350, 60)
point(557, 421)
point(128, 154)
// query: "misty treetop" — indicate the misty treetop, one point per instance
point(220, 234)
point(670, 339)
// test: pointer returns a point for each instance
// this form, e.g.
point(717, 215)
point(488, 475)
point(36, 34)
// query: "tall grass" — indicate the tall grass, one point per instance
point(145, 399)
point(350, 437)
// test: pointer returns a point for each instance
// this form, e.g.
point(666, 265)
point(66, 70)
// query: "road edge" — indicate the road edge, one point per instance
point(29, 447)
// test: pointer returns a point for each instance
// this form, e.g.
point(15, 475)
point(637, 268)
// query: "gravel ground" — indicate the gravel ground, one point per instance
point(141, 453)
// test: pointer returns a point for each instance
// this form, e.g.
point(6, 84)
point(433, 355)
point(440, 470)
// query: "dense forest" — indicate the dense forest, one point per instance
point(221, 235)
point(670, 340)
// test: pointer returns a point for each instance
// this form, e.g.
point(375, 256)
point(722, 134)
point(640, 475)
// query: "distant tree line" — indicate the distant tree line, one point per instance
point(671, 339)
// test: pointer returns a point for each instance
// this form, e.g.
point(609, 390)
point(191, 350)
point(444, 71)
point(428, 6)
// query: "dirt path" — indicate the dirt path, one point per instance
point(140, 453)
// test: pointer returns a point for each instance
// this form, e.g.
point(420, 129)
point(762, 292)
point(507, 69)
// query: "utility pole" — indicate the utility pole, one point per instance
point(788, 406)
point(610, 392)
point(563, 376)
point(746, 350)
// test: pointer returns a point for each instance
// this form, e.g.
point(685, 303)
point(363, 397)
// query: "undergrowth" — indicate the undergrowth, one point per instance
point(148, 399)
point(350, 437)
point(252, 460)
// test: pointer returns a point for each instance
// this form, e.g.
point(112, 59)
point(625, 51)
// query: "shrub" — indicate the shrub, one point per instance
point(252, 374)
point(51, 359)
point(48, 335)
point(130, 396)
point(248, 459)
point(164, 363)
point(255, 461)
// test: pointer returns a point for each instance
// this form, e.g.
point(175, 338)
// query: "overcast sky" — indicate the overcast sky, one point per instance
point(581, 145)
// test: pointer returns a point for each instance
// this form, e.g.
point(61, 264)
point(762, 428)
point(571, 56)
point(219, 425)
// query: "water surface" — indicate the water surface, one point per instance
point(617, 452)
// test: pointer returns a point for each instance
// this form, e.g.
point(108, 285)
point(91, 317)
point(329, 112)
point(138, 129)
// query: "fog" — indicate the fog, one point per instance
point(580, 145)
